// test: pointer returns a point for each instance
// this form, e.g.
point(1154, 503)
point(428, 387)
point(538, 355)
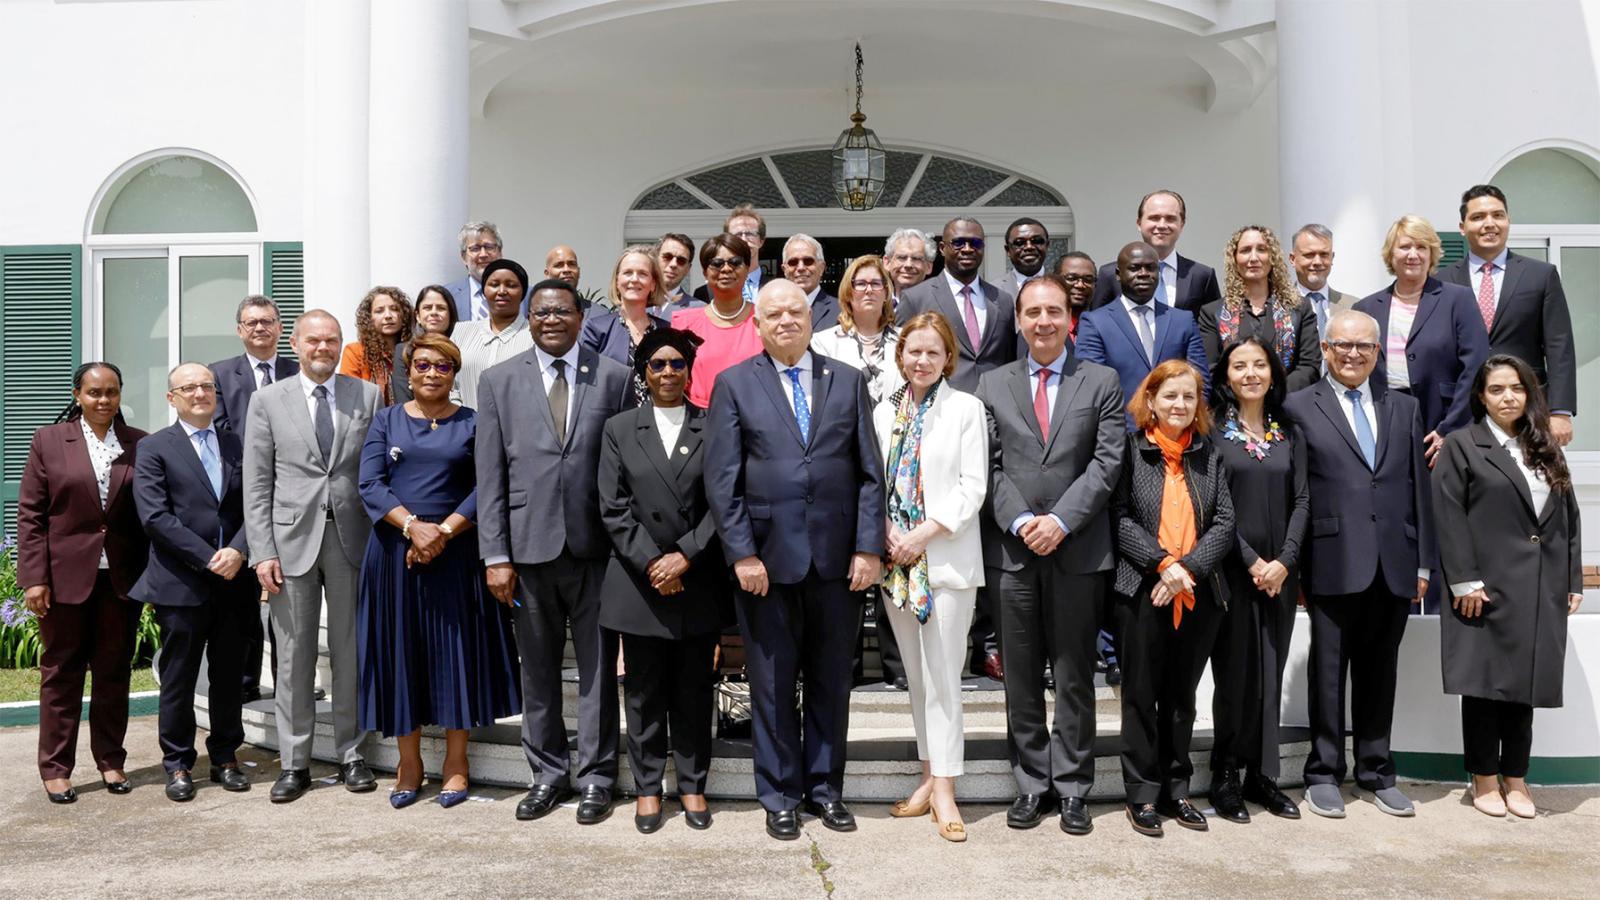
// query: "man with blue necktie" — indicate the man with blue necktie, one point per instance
point(795, 484)
point(1311, 254)
point(190, 497)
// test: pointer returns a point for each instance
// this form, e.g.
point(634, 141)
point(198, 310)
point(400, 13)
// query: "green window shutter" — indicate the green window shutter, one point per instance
point(1455, 247)
point(286, 284)
point(41, 339)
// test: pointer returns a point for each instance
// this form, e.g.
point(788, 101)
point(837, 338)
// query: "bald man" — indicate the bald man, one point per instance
point(561, 263)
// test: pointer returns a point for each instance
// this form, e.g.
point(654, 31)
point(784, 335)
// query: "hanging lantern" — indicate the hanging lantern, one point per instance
point(858, 158)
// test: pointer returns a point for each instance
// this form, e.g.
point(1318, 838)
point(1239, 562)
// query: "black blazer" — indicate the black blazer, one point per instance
point(654, 503)
point(1444, 351)
point(236, 382)
point(1136, 510)
point(186, 523)
point(1361, 517)
point(1197, 285)
point(1305, 359)
point(1532, 322)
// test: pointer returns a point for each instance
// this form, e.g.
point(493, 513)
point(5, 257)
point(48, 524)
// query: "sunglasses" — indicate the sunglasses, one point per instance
point(673, 257)
point(795, 262)
point(424, 367)
point(1030, 241)
point(723, 262)
point(660, 365)
point(972, 243)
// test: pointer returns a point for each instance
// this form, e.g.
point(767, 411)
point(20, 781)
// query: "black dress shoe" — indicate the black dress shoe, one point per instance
point(783, 824)
point(1026, 811)
point(67, 796)
point(1075, 816)
point(231, 778)
point(1144, 818)
point(1227, 799)
point(290, 785)
point(699, 821)
point(541, 800)
point(834, 814)
point(180, 787)
point(1113, 675)
point(1186, 814)
point(357, 778)
point(250, 695)
point(900, 683)
point(594, 805)
point(1260, 789)
point(117, 787)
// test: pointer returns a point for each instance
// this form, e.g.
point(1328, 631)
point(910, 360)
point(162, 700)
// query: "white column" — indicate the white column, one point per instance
point(418, 155)
point(1333, 148)
point(338, 36)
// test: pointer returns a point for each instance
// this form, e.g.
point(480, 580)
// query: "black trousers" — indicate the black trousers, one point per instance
point(215, 632)
point(985, 630)
point(566, 589)
point(1161, 668)
point(888, 650)
point(1045, 614)
point(799, 630)
point(1247, 664)
point(1496, 736)
point(667, 700)
point(1358, 634)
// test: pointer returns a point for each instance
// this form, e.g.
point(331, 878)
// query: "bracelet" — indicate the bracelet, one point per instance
point(405, 528)
point(446, 530)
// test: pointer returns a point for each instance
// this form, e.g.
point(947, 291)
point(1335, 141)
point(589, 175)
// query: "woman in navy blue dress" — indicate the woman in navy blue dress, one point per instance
point(435, 649)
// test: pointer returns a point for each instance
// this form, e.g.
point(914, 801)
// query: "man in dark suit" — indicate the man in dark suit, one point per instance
point(795, 485)
point(540, 418)
point(1027, 244)
point(746, 224)
point(189, 492)
point(1523, 306)
point(1184, 283)
point(675, 254)
point(804, 264)
point(1134, 334)
point(1311, 254)
point(1371, 548)
point(260, 326)
point(1056, 436)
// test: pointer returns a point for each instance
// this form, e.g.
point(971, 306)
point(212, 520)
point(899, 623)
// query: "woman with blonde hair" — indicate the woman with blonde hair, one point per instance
point(865, 337)
point(636, 290)
point(1260, 300)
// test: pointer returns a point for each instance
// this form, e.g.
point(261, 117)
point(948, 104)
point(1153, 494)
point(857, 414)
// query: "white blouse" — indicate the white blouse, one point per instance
point(101, 455)
point(883, 379)
point(669, 421)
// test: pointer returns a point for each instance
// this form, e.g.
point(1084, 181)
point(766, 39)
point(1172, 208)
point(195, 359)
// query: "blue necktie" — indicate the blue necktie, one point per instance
point(1369, 446)
point(802, 412)
point(1317, 306)
point(210, 461)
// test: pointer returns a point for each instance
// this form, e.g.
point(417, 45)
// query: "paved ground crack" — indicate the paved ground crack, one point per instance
point(820, 865)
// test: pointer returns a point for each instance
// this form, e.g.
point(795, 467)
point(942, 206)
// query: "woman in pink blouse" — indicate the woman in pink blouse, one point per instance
point(726, 324)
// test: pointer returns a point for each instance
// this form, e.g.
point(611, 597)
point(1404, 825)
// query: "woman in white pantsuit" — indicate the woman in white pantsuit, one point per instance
point(936, 457)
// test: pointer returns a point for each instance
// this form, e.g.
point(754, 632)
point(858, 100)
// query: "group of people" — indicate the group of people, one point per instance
point(1142, 461)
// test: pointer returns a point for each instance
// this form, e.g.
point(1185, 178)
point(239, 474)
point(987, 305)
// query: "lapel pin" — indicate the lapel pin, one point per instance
point(683, 450)
point(827, 371)
point(583, 368)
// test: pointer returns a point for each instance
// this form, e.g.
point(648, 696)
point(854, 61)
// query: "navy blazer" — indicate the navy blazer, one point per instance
point(1108, 336)
point(186, 522)
point(1197, 285)
point(824, 311)
point(236, 383)
point(1444, 351)
point(797, 505)
point(1531, 322)
point(605, 333)
point(1362, 517)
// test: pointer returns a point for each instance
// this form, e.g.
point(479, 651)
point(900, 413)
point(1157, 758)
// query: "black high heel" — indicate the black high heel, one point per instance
point(125, 786)
point(67, 796)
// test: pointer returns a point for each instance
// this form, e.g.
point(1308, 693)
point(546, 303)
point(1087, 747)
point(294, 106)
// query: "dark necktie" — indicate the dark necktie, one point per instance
point(323, 422)
point(266, 373)
point(558, 400)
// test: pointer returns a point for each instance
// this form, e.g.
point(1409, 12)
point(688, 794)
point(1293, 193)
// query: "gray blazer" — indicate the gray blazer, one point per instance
point(1072, 474)
point(538, 497)
point(1000, 344)
point(289, 487)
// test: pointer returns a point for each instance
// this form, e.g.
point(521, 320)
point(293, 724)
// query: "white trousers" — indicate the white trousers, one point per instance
point(934, 653)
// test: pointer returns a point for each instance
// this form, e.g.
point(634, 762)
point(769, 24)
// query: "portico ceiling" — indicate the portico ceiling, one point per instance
point(1221, 49)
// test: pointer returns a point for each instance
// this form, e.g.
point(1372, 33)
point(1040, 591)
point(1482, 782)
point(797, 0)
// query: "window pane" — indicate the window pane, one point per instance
point(178, 194)
point(1580, 277)
point(209, 291)
point(1551, 187)
point(135, 293)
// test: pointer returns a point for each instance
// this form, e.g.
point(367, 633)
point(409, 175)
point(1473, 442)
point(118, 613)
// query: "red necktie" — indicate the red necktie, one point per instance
point(1041, 405)
point(1486, 296)
point(970, 315)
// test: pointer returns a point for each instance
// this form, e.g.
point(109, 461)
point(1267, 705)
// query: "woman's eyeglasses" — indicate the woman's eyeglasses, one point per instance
point(660, 365)
point(424, 367)
point(722, 262)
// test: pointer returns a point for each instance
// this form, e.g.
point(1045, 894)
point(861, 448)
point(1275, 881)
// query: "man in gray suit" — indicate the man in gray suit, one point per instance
point(1056, 432)
point(307, 531)
point(1311, 254)
point(541, 415)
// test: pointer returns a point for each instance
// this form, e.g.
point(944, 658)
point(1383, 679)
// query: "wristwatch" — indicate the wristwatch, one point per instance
point(445, 527)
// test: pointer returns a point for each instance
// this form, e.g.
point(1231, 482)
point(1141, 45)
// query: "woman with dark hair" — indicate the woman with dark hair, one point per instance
point(384, 318)
point(1510, 544)
point(1174, 526)
point(504, 334)
point(635, 292)
point(433, 646)
point(436, 314)
point(1264, 455)
point(1260, 300)
point(667, 580)
point(80, 549)
point(727, 323)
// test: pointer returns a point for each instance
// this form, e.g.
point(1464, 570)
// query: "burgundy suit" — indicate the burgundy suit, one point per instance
point(61, 531)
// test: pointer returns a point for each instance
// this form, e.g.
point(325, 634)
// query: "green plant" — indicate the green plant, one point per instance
point(148, 636)
point(20, 643)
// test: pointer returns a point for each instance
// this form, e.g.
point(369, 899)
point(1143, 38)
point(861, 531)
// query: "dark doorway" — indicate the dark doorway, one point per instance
point(838, 251)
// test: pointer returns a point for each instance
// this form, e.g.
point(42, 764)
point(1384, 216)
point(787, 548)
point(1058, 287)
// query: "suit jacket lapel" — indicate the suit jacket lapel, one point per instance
point(1131, 331)
point(767, 375)
point(582, 383)
point(991, 322)
point(344, 406)
point(1389, 424)
point(1331, 407)
point(1163, 317)
point(294, 402)
point(1065, 390)
point(1022, 392)
point(1508, 287)
point(821, 383)
point(1500, 458)
point(952, 311)
point(649, 438)
point(121, 467)
point(689, 440)
point(1431, 291)
point(1180, 288)
point(185, 448)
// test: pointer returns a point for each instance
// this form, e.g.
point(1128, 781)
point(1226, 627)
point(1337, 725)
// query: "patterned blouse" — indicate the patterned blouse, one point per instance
point(101, 455)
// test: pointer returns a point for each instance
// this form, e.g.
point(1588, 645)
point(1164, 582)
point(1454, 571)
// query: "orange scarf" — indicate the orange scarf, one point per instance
point(1177, 532)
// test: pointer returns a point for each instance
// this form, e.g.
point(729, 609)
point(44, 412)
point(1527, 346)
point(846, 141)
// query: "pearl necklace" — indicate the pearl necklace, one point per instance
point(711, 308)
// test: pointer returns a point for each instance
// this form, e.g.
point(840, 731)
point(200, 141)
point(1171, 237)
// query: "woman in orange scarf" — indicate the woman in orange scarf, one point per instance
point(1174, 524)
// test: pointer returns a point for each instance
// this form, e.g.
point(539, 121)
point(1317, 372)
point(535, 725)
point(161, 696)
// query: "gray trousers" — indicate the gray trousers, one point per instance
point(566, 589)
point(296, 619)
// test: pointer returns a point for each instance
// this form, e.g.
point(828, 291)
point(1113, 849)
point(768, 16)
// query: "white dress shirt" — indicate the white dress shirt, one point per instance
point(786, 387)
point(255, 369)
point(1168, 271)
point(307, 386)
point(547, 368)
point(1052, 386)
point(1538, 488)
point(669, 421)
point(101, 455)
point(1475, 265)
point(482, 347)
point(811, 298)
point(1133, 308)
point(980, 303)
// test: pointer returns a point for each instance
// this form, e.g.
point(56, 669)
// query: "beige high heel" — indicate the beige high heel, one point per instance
point(902, 809)
point(954, 832)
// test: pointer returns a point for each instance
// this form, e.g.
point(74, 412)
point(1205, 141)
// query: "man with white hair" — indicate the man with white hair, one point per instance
point(804, 264)
point(909, 255)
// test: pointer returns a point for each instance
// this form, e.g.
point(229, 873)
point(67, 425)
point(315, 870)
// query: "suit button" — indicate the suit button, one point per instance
point(808, 459)
point(1374, 517)
point(563, 454)
point(808, 498)
point(1532, 537)
point(1374, 482)
point(102, 529)
point(1411, 356)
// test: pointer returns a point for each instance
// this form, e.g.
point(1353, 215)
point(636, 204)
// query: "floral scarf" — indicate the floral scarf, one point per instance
point(1282, 328)
point(908, 585)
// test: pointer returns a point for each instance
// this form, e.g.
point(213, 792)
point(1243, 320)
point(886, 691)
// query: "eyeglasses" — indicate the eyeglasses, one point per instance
point(795, 262)
point(482, 248)
point(1035, 240)
point(1078, 279)
point(723, 262)
point(1353, 348)
point(192, 390)
point(660, 365)
point(424, 367)
point(673, 257)
point(747, 236)
point(552, 312)
point(253, 324)
point(867, 285)
point(962, 243)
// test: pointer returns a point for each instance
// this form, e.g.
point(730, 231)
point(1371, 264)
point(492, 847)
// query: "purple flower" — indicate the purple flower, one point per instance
point(14, 613)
